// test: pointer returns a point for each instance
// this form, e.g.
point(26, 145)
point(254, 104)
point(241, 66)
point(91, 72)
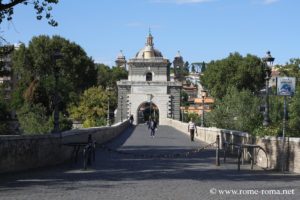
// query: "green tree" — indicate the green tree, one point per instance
point(4, 111)
point(36, 67)
point(291, 69)
point(234, 71)
point(193, 68)
point(294, 115)
point(42, 8)
point(184, 98)
point(238, 110)
point(92, 107)
point(33, 119)
point(186, 68)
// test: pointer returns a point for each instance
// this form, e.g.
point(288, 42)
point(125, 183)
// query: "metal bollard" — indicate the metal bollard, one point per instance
point(218, 151)
point(225, 150)
point(85, 158)
point(239, 158)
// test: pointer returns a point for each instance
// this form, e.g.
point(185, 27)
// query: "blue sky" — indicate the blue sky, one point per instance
point(203, 30)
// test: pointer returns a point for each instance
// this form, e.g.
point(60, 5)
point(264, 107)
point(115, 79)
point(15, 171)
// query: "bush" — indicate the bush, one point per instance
point(33, 120)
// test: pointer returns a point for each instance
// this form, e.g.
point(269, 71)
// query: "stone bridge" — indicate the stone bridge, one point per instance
point(137, 166)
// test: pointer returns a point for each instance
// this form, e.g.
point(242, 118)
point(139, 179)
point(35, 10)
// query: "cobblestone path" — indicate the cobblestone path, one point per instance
point(159, 168)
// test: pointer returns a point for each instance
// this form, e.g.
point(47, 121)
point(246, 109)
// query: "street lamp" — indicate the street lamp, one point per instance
point(56, 56)
point(267, 62)
point(203, 94)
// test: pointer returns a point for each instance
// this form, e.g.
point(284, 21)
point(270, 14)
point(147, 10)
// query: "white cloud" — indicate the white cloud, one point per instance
point(268, 2)
point(182, 1)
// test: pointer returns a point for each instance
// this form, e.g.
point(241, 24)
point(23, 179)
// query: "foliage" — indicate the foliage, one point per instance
point(196, 118)
point(238, 110)
point(4, 112)
point(42, 8)
point(33, 119)
point(294, 115)
point(291, 69)
point(272, 130)
point(37, 67)
point(92, 107)
point(64, 122)
point(184, 98)
point(234, 71)
point(108, 77)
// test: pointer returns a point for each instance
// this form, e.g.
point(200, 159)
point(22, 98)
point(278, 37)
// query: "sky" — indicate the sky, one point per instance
point(202, 30)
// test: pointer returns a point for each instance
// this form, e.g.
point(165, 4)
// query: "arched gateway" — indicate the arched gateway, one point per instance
point(148, 90)
point(147, 110)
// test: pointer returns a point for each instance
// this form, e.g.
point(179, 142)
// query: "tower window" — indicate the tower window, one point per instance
point(149, 76)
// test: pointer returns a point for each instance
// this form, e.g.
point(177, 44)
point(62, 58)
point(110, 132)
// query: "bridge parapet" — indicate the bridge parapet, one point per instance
point(270, 159)
point(18, 153)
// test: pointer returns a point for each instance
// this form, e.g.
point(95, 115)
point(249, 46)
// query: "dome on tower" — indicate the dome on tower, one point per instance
point(149, 51)
point(120, 55)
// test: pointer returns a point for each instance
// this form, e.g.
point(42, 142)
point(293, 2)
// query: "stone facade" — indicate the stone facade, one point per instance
point(148, 83)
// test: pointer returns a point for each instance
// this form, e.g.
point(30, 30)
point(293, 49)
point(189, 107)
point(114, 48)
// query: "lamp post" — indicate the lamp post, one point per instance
point(268, 62)
point(121, 108)
point(203, 95)
point(56, 56)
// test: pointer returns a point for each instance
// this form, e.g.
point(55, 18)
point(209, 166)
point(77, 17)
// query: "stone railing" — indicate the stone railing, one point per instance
point(270, 158)
point(19, 153)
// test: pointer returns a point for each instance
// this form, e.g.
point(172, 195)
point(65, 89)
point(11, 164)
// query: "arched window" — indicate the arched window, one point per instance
point(149, 76)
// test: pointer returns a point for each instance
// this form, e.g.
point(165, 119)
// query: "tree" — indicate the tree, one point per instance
point(230, 112)
point(193, 68)
point(4, 111)
point(294, 115)
point(92, 107)
point(33, 119)
point(234, 71)
point(292, 69)
point(36, 67)
point(203, 67)
point(42, 8)
point(184, 98)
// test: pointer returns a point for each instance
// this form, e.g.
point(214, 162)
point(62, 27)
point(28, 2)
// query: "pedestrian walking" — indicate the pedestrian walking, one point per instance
point(131, 119)
point(192, 129)
point(152, 126)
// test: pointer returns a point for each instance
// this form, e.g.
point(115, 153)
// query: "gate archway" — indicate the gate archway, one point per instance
point(147, 110)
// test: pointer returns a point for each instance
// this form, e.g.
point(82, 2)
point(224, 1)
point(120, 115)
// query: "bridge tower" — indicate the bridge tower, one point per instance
point(148, 90)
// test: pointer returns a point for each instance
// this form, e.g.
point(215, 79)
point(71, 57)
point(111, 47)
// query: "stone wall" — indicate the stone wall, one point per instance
point(175, 91)
point(19, 153)
point(271, 155)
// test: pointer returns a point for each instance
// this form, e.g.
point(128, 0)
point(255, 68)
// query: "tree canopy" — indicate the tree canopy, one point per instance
point(229, 113)
point(235, 70)
point(36, 67)
point(42, 8)
point(92, 107)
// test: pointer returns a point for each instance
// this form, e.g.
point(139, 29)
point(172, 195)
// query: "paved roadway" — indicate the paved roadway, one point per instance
point(145, 174)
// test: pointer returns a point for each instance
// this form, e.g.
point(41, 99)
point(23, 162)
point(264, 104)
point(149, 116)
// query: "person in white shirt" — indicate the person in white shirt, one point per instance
point(191, 129)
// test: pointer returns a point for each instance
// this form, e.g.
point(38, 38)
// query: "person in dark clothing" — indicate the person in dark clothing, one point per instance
point(131, 119)
point(152, 126)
